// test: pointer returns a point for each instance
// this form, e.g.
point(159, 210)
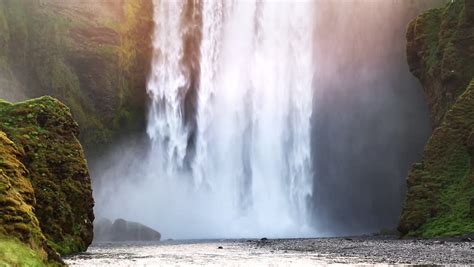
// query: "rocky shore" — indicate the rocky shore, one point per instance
point(377, 250)
point(366, 250)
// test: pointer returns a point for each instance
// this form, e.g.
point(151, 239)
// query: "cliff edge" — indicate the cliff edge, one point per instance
point(440, 196)
point(45, 187)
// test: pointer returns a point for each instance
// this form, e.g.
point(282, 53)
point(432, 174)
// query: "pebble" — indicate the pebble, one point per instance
point(366, 250)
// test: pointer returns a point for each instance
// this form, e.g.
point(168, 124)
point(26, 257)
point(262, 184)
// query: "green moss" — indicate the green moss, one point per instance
point(456, 221)
point(134, 54)
point(69, 245)
point(93, 62)
point(15, 253)
point(431, 36)
point(442, 186)
point(17, 217)
point(45, 130)
point(439, 55)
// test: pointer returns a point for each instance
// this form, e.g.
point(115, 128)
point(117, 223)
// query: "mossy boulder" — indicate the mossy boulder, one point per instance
point(20, 233)
point(121, 230)
point(441, 187)
point(55, 178)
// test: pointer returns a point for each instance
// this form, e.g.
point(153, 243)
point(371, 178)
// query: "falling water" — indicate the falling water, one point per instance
point(230, 118)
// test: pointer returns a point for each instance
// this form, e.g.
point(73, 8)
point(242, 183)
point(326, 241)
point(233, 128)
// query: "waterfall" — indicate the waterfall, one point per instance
point(229, 120)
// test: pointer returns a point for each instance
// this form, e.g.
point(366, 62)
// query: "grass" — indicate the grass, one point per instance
point(15, 253)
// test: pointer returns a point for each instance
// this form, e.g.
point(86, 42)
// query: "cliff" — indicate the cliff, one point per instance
point(440, 197)
point(91, 55)
point(45, 188)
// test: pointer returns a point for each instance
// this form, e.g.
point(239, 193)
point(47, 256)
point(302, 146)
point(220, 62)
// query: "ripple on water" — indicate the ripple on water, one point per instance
point(186, 253)
point(285, 252)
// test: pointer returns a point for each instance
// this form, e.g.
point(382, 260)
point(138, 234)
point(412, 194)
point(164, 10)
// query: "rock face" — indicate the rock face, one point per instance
point(17, 200)
point(91, 55)
point(441, 187)
point(122, 230)
point(440, 54)
point(45, 188)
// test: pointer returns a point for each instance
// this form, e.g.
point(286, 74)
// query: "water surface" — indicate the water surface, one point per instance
point(186, 253)
point(365, 250)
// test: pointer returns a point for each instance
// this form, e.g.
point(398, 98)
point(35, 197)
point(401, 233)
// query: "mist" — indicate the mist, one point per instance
point(368, 124)
point(370, 120)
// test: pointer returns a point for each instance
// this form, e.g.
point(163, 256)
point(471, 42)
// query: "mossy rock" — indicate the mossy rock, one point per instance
point(18, 222)
point(439, 198)
point(440, 50)
point(15, 253)
point(45, 131)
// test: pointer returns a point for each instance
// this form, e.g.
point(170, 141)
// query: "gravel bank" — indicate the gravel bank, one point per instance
point(377, 250)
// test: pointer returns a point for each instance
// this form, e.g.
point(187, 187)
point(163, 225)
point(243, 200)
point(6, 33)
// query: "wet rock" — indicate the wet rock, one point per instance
point(122, 230)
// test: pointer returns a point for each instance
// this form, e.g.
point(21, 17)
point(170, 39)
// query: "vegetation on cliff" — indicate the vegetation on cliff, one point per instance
point(440, 54)
point(92, 55)
point(15, 253)
point(17, 219)
point(440, 197)
point(45, 188)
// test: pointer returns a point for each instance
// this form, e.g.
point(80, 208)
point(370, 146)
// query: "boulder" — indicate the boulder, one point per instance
point(121, 230)
point(45, 188)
